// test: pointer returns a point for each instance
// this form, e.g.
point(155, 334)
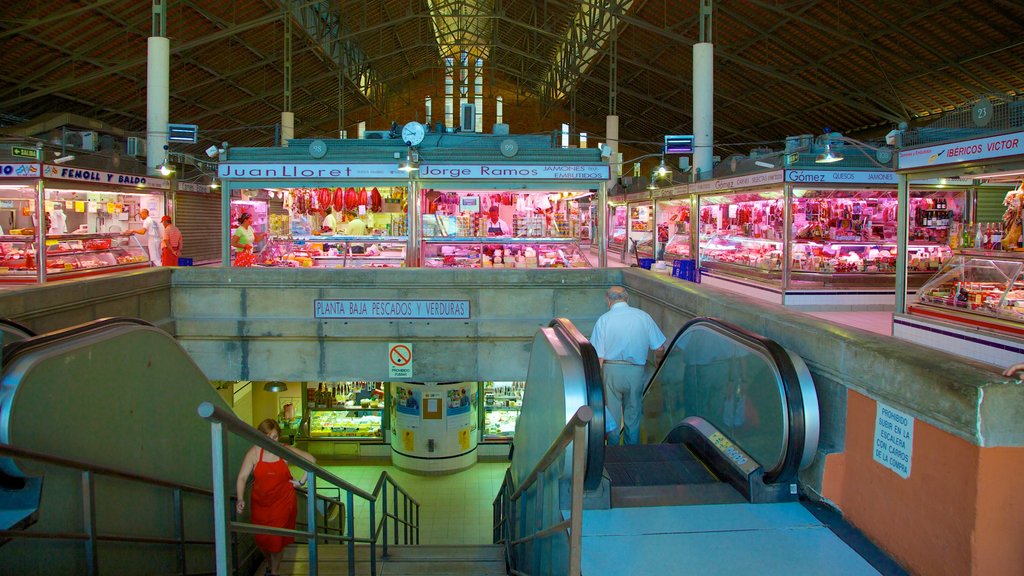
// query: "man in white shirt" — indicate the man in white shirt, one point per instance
point(154, 236)
point(622, 337)
point(495, 225)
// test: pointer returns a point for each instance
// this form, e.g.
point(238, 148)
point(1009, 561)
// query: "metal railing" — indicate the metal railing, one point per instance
point(91, 535)
point(223, 421)
point(512, 533)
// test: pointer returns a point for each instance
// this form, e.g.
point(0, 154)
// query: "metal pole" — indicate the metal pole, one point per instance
point(601, 226)
point(384, 520)
point(373, 541)
point(902, 240)
point(41, 231)
point(576, 507)
point(787, 240)
point(417, 510)
point(538, 522)
point(221, 520)
point(89, 522)
point(413, 224)
point(350, 500)
point(311, 522)
point(394, 509)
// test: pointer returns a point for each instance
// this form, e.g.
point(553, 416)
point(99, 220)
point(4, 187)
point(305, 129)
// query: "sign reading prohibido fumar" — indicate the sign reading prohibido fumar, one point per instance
point(894, 439)
point(391, 309)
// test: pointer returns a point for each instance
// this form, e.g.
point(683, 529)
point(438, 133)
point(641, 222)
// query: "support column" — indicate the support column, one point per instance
point(157, 89)
point(703, 109)
point(612, 133)
point(225, 217)
point(287, 127)
point(414, 223)
point(287, 116)
point(902, 240)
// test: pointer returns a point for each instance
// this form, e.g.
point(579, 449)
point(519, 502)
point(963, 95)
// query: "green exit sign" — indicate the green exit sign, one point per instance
point(19, 152)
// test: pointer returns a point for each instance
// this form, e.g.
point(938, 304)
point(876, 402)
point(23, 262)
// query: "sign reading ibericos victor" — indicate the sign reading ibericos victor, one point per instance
point(965, 151)
point(391, 309)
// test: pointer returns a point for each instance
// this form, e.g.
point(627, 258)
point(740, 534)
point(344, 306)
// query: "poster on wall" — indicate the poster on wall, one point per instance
point(458, 401)
point(407, 400)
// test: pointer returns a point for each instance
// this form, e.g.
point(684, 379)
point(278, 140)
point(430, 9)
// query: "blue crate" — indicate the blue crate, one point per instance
point(184, 261)
point(686, 270)
point(646, 263)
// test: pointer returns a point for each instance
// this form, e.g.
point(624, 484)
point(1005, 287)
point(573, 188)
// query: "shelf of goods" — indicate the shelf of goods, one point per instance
point(318, 251)
point(503, 252)
point(70, 256)
point(976, 283)
point(346, 411)
point(822, 262)
point(502, 402)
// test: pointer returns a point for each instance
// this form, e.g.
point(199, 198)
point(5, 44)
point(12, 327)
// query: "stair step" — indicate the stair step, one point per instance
point(487, 560)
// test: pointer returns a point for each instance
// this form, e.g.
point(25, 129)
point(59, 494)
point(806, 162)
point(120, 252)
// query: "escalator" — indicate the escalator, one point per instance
point(729, 417)
point(120, 394)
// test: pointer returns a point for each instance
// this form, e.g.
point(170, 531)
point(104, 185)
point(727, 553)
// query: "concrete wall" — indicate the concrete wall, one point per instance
point(241, 324)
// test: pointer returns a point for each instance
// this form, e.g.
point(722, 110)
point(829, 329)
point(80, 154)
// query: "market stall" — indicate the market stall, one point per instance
point(819, 239)
point(974, 305)
point(86, 213)
point(673, 226)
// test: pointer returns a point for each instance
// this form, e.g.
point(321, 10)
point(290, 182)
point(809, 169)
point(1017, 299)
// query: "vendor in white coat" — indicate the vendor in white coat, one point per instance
point(151, 229)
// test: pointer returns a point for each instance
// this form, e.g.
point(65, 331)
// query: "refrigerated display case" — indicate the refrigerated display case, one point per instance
point(70, 256)
point(673, 229)
point(502, 403)
point(301, 251)
point(976, 282)
point(616, 228)
point(503, 252)
point(345, 411)
point(640, 225)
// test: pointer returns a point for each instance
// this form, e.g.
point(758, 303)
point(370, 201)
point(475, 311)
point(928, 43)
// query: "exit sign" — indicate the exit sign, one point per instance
point(20, 152)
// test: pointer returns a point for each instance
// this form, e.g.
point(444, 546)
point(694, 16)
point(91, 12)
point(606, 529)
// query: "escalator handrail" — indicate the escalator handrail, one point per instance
point(22, 347)
point(787, 469)
point(595, 399)
point(17, 326)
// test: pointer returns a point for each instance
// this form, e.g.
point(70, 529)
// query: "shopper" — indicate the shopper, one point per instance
point(330, 223)
point(170, 248)
point(244, 240)
point(273, 494)
point(151, 230)
point(356, 227)
point(622, 336)
point(495, 225)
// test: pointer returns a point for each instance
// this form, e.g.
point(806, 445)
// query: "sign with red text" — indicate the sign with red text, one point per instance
point(965, 151)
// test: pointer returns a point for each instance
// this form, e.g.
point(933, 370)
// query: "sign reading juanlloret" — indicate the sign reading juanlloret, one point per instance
point(391, 309)
point(894, 439)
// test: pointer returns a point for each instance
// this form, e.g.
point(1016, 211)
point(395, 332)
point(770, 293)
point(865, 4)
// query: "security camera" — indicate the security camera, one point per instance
point(892, 137)
point(212, 151)
point(63, 159)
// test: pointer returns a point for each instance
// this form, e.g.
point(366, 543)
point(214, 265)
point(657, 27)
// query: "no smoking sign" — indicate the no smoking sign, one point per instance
point(400, 360)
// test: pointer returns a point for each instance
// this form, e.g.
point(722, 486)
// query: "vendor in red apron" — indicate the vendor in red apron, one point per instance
point(496, 226)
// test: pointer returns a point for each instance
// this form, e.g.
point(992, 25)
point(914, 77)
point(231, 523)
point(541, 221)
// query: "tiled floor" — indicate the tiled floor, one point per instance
point(454, 509)
point(877, 322)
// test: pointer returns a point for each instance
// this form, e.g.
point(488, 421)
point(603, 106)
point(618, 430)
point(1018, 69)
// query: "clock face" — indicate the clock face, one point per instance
point(413, 133)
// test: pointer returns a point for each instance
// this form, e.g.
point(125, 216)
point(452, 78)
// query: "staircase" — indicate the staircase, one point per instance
point(485, 560)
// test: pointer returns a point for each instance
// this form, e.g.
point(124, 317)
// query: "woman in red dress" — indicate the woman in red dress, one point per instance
point(273, 494)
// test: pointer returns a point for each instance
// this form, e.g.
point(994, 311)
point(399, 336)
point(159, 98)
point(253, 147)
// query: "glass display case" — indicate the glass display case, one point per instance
point(641, 226)
point(70, 256)
point(502, 402)
point(333, 252)
point(673, 232)
point(978, 282)
point(503, 253)
point(345, 411)
point(616, 228)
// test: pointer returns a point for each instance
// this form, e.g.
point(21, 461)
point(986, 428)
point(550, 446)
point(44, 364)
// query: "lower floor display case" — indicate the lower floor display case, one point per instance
point(70, 256)
point(333, 252)
point(502, 403)
point(345, 411)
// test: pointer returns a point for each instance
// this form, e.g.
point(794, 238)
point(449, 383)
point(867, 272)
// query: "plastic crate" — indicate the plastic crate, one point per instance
point(686, 270)
point(646, 263)
point(184, 261)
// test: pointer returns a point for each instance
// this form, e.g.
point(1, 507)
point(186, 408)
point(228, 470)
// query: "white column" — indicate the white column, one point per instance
point(703, 108)
point(612, 135)
point(157, 90)
point(287, 127)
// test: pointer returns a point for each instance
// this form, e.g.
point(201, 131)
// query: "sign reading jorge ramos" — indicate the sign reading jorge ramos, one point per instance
point(392, 309)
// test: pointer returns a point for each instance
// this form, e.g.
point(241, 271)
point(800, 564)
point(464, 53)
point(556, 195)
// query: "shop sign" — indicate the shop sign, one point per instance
point(392, 309)
point(894, 439)
point(943, 182)
point(400, 360)
point(20, 152)
point(759, 179)
point(19, 170)
point(839, 177)
point(193, 187)
point(469, 203)
point(514, 172)
point(100, 177)
point(285, 171)
point(966, 151)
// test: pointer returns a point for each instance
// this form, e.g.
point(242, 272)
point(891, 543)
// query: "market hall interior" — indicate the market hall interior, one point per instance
point(242, 324)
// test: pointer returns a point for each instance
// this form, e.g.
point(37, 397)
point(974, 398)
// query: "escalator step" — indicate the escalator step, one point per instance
point(654, 465)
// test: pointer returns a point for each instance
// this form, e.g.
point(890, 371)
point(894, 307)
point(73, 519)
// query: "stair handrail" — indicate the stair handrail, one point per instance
point(222, 421)
point(90, 536)
point(575, 433)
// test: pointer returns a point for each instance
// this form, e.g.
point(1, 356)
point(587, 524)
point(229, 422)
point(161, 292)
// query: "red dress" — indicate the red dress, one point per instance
point(273, 503)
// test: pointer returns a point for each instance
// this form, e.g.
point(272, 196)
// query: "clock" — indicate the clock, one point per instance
point(413, 133)
point(509, 148)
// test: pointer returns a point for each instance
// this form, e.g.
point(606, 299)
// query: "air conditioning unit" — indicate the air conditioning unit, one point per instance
point(467, 117)
point(376, 135)
point(136, 147)
point(73, 139)
point(90, 140)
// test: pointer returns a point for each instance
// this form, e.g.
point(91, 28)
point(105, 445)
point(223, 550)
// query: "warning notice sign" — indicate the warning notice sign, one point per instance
point(894, 439)
point(400, 360)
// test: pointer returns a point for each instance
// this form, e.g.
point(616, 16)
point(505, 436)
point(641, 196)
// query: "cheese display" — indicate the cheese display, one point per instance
point(502, 402)
point(503, 253)
point(345, 410)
